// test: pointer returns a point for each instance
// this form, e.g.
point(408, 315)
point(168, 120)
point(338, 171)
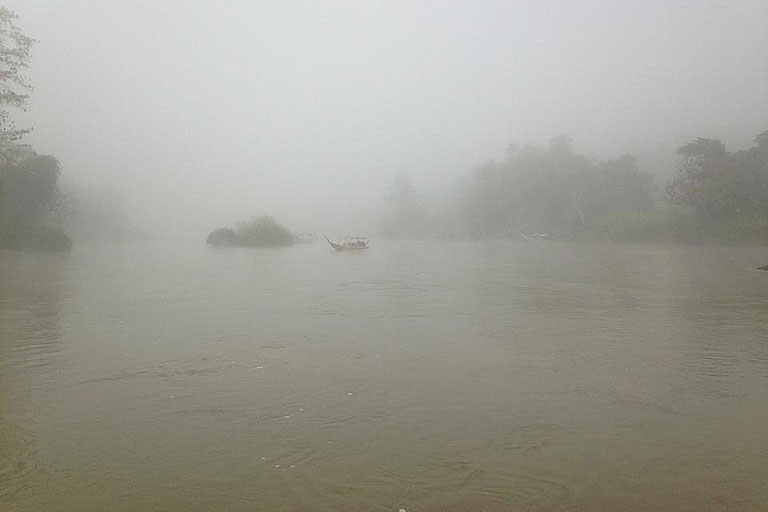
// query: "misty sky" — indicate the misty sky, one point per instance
point(205, 113)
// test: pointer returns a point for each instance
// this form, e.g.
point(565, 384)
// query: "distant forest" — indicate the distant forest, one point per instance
point(549, 191)
point(716, 196)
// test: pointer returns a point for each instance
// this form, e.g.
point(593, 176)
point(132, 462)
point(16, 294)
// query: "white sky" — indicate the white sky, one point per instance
point(206, 113)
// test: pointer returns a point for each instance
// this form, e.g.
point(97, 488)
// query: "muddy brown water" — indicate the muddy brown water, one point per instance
point(422, 376)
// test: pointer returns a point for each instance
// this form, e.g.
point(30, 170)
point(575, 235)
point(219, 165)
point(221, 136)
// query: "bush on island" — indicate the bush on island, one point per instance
point(260, 232)
point(263, 232)
point(222, 236)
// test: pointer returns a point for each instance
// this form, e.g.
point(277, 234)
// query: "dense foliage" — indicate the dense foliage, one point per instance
point(29, 198)
point(554, 192)
point(222, 236)
point(29, 194)
point(552, 189)
point(15, 50)
point(720, 184)
point(260, 232)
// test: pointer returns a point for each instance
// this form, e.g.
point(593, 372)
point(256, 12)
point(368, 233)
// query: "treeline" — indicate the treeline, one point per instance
point(553, 190)
point(726, 191)
point(30, 201)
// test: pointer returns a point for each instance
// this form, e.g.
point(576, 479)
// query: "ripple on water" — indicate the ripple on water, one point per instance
point(35, 350)
point(441, 483)
point(501, 378)
point(18, 463)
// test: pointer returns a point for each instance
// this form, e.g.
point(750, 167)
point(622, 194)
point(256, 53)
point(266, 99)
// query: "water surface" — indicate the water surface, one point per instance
point(425, 376)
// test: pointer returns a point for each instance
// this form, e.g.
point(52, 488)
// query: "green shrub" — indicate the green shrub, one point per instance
point(222, 236)
point(263, 232)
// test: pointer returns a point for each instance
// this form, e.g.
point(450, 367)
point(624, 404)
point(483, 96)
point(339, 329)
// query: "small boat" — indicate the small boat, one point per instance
point(537, 237)
point(353, 243)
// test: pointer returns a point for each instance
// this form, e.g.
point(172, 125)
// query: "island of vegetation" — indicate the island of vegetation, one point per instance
point(262, 231)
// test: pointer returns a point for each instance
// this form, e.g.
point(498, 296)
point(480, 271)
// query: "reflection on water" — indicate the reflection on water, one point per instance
point(427, 376)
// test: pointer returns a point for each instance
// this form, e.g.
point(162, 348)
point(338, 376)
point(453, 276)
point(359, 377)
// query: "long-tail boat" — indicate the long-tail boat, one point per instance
point(352, 243)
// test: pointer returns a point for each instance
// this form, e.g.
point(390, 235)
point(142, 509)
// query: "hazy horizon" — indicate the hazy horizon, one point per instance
point(558, 300)
point(204, 116)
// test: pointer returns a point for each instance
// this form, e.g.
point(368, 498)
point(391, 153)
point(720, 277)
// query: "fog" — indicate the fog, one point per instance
point(543, 285)
point(205, 114)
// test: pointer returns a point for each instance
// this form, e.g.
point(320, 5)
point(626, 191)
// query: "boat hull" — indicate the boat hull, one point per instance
point(338, 247)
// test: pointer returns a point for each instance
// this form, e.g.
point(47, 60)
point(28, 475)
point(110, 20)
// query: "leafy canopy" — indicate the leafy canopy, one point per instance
point(15, 50)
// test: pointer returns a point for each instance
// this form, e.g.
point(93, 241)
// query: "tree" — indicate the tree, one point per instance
point(29, 193)
point(15, 50)
point(407, 214)
point(720, 184)
point(620, 186)
point(553, 189)
point(701, 180)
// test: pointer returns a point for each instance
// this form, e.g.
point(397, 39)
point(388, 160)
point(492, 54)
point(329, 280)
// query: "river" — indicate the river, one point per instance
point(424, 376)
